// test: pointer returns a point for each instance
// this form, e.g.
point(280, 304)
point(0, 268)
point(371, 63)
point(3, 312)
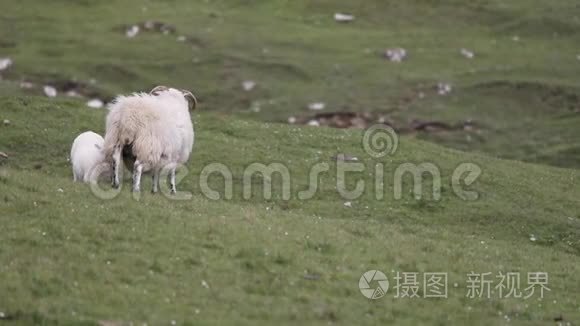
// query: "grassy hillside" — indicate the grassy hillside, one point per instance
point(521, 89)
point(68, 257)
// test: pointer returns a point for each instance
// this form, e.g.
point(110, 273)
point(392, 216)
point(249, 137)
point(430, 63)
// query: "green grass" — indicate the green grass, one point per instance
point(68, 257)
point(297, 54)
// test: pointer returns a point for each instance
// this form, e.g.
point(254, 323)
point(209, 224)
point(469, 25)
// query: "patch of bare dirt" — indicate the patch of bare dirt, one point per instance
point(366, 119)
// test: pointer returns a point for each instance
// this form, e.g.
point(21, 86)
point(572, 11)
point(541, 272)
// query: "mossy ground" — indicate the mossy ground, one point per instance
point(68, 257)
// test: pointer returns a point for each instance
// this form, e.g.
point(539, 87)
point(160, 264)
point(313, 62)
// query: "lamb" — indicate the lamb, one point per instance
point(86, 154)
point(154, 130)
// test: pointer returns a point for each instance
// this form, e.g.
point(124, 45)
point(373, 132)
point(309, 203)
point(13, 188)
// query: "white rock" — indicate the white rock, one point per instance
point(343, 18)
point(95, 103)
point(248, 85)
point(292, 120)
point(396, 54)
point(467, 53)
point(444, 88)
point(132, 31)
point(533, 238)
point(5, 63)
point(316, 106)
point(348, 204)
point(50, 91)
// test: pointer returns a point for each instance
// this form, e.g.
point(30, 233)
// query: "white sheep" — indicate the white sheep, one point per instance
point(154, 130)
point(85, 155)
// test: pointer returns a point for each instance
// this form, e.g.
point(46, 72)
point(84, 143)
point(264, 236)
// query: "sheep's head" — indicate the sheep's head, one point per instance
point(185, 93)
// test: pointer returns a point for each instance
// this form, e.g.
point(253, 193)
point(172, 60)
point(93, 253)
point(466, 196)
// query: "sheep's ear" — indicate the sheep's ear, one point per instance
point(158, 89)
point(190, 99)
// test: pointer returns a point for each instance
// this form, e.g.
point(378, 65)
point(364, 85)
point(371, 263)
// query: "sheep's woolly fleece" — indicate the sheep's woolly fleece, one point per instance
point(157, 127)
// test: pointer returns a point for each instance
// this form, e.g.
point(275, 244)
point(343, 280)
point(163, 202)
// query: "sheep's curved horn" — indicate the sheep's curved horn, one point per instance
point(158, 89)
point(190, 98)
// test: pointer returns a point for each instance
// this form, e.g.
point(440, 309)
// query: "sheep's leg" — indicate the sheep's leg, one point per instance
point(172, 181)
point(137, 171)
point(116, 166)
point(155, 178)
